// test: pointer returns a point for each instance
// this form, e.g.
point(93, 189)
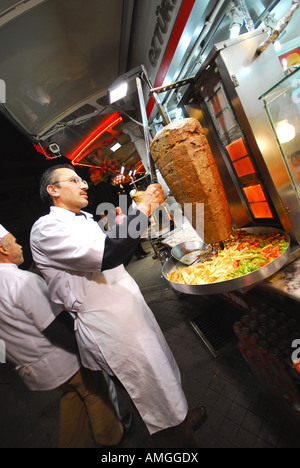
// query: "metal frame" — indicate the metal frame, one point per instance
point(246, 76)
point(242, 283)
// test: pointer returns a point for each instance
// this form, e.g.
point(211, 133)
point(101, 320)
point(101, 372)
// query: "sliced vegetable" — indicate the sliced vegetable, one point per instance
point(257, 251)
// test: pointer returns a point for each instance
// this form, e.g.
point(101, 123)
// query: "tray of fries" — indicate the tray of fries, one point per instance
point(250, 256)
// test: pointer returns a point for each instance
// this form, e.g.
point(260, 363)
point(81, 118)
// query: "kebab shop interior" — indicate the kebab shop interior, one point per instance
point(203, 98)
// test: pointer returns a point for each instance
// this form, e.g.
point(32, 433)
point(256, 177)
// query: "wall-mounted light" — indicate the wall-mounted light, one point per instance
point(236, 21)
point(115, 147)
point(119, 88)
point(285, 131)
point(235, 30)
point(118, 92)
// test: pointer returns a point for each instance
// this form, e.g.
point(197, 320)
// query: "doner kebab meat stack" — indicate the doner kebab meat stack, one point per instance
point(182, 154)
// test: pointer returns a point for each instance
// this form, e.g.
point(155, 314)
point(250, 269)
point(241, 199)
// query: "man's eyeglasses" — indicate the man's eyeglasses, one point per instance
point(73, 180)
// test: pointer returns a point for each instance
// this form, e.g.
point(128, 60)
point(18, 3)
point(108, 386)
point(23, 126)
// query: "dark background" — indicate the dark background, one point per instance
point(21, 167)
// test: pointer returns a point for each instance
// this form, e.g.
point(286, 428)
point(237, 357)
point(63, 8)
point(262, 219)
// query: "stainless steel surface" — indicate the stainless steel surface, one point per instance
point(252, 76)
point(257, 74)
point(209, 24)
point(237, 284)
point(189, 252)
point(171, 86)
point(249, 23)
point(193, 56)
point(279, 28)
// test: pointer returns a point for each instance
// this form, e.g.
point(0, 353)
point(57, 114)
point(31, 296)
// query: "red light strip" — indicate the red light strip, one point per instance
point(91, 138)
point(139, 167)
point(86, 165)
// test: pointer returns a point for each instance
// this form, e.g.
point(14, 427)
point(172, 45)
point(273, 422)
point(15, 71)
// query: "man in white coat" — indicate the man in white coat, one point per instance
point(40, 342)
point(116, 330)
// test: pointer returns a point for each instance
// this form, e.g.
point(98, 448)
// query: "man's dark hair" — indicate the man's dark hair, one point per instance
point(48, 178)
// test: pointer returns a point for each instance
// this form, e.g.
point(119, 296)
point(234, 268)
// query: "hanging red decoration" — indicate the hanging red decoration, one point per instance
point(105, 172)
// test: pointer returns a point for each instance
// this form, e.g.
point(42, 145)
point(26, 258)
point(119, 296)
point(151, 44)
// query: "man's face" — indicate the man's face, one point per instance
point(66, 193)
point(11, 250)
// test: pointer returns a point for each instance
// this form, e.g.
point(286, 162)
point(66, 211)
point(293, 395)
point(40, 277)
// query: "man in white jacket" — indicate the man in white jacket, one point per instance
point(116, 330)
point(40, 342)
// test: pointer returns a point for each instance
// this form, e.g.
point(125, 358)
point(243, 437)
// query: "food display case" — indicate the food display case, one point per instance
point(282, 105)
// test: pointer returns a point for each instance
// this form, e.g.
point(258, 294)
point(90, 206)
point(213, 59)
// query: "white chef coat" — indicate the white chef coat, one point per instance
point(25, 311)
point(68, 250)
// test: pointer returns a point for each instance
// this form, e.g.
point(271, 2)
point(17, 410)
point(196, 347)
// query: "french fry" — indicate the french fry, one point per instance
point(224, 264)
point(211, 271)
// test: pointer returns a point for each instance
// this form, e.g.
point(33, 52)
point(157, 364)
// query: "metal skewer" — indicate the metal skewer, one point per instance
point(279, 28)
point(146, 131)
point(165, 117)
point(163, 113)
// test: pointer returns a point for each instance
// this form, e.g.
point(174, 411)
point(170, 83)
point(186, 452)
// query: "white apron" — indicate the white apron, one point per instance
point(124, 328)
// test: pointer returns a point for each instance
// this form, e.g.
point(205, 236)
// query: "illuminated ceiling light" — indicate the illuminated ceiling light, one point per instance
point(235, 31)
point(112, 120)
point(118, 92)
point(236, 21)
point(285, 131)
point(115, 147)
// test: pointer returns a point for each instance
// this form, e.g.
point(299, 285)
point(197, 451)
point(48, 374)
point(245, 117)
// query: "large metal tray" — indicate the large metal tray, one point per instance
point(241, 283)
